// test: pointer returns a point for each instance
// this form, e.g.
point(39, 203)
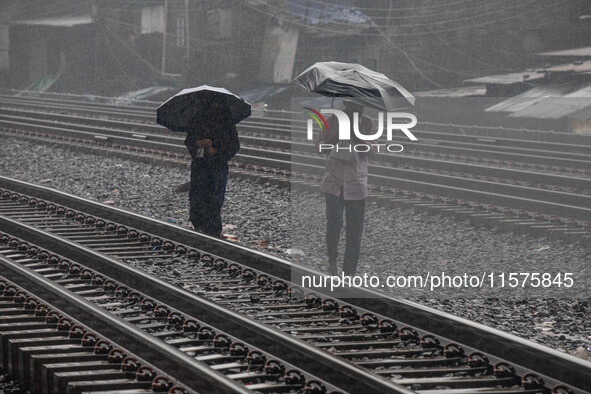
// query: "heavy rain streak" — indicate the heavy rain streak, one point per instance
point(295, 196)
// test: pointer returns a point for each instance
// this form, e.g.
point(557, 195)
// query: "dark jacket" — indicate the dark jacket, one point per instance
point(223, 136)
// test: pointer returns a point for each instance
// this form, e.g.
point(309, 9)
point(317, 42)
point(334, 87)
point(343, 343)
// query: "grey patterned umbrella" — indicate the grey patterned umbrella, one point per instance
point(335, 79)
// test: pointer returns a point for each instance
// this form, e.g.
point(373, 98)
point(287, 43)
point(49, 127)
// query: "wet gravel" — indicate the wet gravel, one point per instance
point(8, 385)
point(396, 241)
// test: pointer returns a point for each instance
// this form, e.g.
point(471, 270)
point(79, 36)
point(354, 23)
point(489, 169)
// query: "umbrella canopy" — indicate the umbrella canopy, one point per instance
point(179, 111)
point(353, 80)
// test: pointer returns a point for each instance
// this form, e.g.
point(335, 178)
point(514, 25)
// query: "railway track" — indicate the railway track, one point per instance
point(545, 181)
point(202, 356)
point(280, 124)
point(48, 351)
point(378, 344)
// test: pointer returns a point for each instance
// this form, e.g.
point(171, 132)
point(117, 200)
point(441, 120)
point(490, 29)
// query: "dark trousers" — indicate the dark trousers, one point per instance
point(355, 216)
point(206, 197)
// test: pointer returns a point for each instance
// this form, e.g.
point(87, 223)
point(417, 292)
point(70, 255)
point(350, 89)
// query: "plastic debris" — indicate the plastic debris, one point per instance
point(295, 252)
point(230, 237)
point(541, 248)
point(583, 353)
point(171, 220)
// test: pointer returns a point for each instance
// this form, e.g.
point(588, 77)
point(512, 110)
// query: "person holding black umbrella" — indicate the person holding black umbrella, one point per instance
point(212, 142)
point(208, 115)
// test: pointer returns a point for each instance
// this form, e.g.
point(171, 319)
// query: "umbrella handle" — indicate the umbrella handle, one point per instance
point(332, 102)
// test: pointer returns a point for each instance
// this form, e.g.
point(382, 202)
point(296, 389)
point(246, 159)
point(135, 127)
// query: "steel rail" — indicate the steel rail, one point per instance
point(416, 180)
point(92, 111)
point(145, 106)
point(180, 366)
point(154, 316)
point(74, 98)
point(33, 330)
point(500, 142)
point(581, 212)
point(158, 133)
point(556, 365)
point(91, 130)
point(291, 349)
point(398, 160)
point(151, 105)
point(581, 146)
point(548, 201)
point(440, 148)
point(546, 158)
point(417, 372)
point(508, 132)
point(456, 383)
point(77, 104)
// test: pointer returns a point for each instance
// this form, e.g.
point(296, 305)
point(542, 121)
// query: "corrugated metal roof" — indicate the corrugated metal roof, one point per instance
point(585, 51)
point(509, 79)
point(528, 98)
point(581, 67)
point(577, 67)
point(59, 21)
point(318, 12)
point(557, 107)
point(465, 91)
point(583, 114)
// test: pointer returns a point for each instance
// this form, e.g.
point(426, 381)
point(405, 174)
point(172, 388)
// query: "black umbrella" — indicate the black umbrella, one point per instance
point(336, 79)
point(179, 111)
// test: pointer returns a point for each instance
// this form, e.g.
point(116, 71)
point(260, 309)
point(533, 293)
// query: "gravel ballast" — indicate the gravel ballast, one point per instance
point(260, 216)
